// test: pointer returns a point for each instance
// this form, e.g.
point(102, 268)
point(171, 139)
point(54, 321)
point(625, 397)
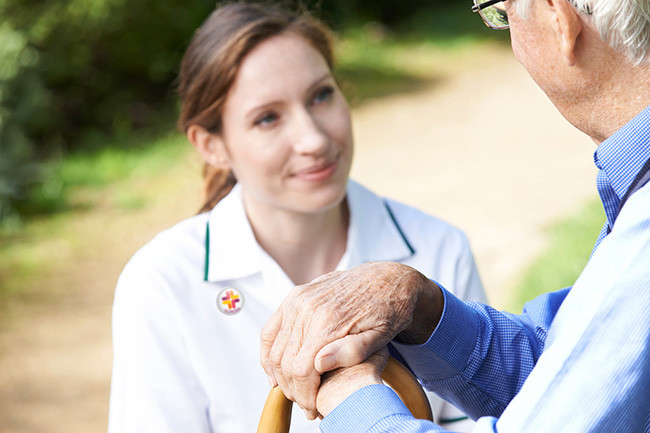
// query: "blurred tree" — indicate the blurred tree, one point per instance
point(388, 12)
point(99, 65)
point(74, 69)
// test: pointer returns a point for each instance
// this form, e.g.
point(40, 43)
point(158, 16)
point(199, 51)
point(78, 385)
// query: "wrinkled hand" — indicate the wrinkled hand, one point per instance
point(341, 383)
point(341, 318)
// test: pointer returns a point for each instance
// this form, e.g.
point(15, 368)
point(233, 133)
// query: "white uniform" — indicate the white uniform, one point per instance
point(183, 365)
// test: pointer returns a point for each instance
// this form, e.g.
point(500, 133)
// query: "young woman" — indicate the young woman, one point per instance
point(262, 107)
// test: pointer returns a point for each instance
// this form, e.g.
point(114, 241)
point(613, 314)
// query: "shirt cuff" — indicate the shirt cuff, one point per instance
point(363, 409)
point(448, 350)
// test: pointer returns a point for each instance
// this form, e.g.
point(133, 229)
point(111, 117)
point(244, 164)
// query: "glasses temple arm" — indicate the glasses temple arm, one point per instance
point(478, 7)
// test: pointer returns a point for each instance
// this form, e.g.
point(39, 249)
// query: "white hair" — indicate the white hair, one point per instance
point(623, 24)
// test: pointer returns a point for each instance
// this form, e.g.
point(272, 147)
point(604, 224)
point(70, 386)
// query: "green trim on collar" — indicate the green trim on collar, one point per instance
point(207, 251)
point(452, 420)
point(399, 229)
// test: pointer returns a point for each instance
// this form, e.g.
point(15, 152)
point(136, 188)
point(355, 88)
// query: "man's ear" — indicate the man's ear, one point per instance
point(209, 145)
point(568, 26)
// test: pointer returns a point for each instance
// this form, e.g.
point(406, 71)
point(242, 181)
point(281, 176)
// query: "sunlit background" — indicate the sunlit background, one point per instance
point(91, 167)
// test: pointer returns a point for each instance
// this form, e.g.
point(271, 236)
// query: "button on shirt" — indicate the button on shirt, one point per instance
point(182, 365)
point(576, 360)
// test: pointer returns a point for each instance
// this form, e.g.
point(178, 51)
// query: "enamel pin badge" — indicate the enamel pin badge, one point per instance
point(230, 301)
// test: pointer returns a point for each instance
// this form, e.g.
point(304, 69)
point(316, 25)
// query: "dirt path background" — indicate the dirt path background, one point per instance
point(483, 149)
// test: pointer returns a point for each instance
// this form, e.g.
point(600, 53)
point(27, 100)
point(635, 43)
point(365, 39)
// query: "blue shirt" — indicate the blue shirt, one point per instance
point(576, 360)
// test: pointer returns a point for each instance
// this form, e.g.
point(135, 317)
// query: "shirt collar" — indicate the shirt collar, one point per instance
point(373, 235)
point(232, 251)
point(623, 154)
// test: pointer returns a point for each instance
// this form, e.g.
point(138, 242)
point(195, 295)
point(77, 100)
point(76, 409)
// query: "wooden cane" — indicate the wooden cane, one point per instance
point(276, 415)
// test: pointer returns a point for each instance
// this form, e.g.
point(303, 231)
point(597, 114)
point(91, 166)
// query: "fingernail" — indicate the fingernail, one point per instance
point(326, 363)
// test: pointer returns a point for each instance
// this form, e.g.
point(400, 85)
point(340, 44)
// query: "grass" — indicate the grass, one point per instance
point(82, 183)
point(111, 164)
point(570, 245)
point(69, 179)
point(28, 253)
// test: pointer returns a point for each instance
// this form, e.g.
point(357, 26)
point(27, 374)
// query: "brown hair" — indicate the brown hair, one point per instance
point(212, 60)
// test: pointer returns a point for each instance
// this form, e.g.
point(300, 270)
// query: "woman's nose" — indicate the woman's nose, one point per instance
point(309, 137)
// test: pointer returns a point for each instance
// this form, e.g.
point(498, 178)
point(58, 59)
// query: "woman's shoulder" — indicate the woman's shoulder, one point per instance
point(178, 246)
point(409, 219)
point(418, 218)
point(426, 227)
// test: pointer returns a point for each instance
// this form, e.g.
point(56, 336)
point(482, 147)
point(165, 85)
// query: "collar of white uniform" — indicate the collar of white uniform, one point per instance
point(232, 251)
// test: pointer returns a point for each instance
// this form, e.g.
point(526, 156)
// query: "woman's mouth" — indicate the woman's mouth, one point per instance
point(318, 173)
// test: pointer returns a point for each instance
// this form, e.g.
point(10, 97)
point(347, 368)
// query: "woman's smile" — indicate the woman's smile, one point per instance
point(318, 172)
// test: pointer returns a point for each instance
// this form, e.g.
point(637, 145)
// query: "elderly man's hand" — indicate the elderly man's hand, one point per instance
point(341, 383)
point(341, 318)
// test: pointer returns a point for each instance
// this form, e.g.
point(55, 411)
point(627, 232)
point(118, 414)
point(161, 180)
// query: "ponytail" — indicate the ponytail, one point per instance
point(217, 183)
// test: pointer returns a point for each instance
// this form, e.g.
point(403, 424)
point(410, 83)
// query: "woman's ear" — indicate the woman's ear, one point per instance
point(568, 27)
point(209, 145)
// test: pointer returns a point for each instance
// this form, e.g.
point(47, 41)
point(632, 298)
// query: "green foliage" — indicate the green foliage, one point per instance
point(72, 182)
point(72, 70)
point(143, 156)
point(388, 12)
point(570, 246)
point(100, 65)
point(17, 174)
point(395, 14)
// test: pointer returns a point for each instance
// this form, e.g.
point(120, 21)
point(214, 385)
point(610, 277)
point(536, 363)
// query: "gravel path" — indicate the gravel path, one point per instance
point(482, 149)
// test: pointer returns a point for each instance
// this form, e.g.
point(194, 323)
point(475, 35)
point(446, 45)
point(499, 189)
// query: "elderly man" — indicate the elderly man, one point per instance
point(576, 360)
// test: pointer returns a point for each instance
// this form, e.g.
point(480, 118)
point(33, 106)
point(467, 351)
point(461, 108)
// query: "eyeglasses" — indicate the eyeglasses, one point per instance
point(493, 13)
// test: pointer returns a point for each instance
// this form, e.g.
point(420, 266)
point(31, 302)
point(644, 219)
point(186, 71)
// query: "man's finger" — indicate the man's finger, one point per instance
point(349, 351)
point(305, 391)
point(267, 338)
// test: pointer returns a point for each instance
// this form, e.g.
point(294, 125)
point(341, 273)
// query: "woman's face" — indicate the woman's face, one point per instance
point(286, 130)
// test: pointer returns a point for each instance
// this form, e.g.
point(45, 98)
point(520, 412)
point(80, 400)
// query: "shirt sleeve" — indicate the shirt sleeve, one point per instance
point(478, 358)
point(375, 409)
point(153, 387)
point(467, 287)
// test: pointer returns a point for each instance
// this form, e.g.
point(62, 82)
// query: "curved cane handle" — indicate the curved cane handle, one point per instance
point(276, 415)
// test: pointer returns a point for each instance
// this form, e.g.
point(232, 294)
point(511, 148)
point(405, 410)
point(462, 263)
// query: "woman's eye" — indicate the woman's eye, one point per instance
point(323, 94)
point(266, 119)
